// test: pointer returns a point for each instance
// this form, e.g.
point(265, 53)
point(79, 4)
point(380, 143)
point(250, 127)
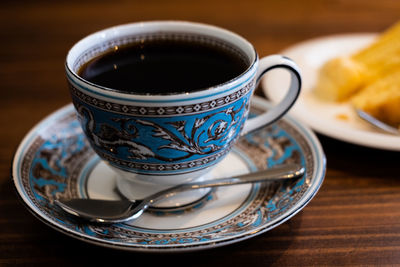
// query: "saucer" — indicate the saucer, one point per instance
point(55, 161)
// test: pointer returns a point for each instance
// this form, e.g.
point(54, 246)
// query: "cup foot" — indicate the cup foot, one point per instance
point(184, 200)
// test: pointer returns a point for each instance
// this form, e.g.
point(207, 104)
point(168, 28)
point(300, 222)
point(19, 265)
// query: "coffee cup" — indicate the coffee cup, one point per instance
point(152, 132)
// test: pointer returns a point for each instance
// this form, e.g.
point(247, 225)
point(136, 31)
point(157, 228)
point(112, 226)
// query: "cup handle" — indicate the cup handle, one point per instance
point(266, 64)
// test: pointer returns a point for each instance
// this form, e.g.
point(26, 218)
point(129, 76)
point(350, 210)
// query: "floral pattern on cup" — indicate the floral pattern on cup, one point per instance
point(193, 140)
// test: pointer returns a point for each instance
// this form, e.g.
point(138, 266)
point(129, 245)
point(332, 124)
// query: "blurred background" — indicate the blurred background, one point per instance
point(271, 25)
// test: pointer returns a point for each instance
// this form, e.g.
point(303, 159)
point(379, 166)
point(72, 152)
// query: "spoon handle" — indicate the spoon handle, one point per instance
point(377, 123)
point(283, 172)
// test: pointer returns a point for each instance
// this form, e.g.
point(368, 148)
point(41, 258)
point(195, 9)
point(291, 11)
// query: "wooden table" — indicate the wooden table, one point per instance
point(353, 220)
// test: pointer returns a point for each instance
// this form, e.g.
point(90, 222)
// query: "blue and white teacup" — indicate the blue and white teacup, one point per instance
point(174, 138)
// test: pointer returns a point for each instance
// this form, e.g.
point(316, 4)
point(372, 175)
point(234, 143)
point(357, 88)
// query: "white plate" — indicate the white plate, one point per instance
point(55, 161)
point(324, 117)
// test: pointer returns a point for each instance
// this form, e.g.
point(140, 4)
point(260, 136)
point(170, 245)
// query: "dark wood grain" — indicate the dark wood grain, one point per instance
point(353, 220)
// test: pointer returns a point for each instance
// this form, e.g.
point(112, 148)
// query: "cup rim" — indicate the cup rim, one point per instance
point(217, 89)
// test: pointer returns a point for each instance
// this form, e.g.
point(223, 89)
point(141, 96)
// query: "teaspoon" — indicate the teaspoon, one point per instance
point(115, 211)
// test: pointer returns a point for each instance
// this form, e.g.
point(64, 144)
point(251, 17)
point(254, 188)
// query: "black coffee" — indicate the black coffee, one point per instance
point(163, 67)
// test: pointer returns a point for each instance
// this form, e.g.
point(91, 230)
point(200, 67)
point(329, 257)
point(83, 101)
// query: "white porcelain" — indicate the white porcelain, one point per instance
point(325, 117)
